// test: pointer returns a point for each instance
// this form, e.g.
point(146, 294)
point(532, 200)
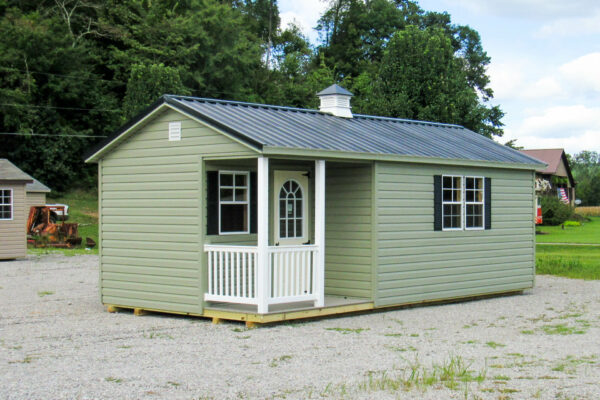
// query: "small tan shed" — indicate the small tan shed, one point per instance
point(36, 194)
point(13, 210)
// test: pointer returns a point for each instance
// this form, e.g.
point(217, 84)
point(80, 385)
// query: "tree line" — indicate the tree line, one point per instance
point(585, 167)
point(71, 70)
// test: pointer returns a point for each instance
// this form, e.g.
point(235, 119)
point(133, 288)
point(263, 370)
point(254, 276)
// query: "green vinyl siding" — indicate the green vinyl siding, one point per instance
point(416, 263)
point(348, 257)
point(151, 208)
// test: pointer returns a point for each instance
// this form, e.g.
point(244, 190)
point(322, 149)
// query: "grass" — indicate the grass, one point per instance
point(586, 233)
point(580, 262)
point(45, 293)
point(346, 331)
point(276, 361)
point(83, 209)
point(451, 373)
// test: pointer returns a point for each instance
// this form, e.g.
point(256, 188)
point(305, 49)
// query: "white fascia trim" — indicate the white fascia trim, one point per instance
point(94, 157)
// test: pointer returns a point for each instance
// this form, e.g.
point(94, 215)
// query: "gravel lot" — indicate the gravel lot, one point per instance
point(56, 341)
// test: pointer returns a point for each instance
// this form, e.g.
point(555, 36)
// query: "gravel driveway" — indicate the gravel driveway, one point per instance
point(56, 341)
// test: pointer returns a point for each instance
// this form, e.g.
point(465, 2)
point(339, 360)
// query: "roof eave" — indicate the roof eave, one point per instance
point(347, 155)
point(96, 152)
point(165, 101)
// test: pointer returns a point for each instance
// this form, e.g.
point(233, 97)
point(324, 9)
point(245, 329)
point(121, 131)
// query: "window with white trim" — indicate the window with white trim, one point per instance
point(6, 204)
point(474, 200)
point(234, 202)
point(452, 202)
point(290, 210)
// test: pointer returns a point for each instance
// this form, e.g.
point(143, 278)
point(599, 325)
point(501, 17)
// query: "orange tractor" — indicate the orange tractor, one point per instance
point(44, 231)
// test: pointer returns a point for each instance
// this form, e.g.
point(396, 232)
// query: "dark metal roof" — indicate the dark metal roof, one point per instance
point(334, 89)
point(10, 172)
point(295, 128)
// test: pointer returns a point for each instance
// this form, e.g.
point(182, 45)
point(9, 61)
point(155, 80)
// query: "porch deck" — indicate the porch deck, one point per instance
point(280, 312)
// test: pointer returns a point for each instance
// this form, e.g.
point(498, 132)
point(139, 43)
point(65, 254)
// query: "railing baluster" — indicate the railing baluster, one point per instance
point(303, 272)
point(274, 274)
point(210, 272)
point(299, 273)
point(255, 277)
point(244, 272)
point(237, 270)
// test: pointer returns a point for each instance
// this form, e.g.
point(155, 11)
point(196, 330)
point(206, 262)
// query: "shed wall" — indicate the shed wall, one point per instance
point(416, 263)
point(13, 240)
point(35, 199)
point(152, 220)
point(348, 227)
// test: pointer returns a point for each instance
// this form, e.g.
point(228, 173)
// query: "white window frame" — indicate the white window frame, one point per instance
point(482, 203)
point(460, 203)
point(463, 203)
point(295, 218)
point(246, 202)
point(11, 204)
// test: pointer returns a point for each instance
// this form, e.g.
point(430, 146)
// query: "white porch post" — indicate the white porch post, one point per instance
point(320, 231)
point(263, 278)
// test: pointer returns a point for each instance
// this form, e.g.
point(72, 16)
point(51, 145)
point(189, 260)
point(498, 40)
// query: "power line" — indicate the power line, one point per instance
point(48, 134)
point(87, 79)
point(62, 75)
point(58, 108)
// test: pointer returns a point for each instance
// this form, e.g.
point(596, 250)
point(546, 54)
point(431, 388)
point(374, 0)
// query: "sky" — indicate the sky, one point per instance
point(545, 63)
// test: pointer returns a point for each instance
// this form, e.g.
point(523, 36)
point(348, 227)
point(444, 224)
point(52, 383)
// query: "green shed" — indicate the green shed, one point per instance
point(262, 213)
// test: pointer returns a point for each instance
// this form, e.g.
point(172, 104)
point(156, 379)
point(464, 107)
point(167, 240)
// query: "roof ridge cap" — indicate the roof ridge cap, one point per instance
point(414, 121)
point(241, 103)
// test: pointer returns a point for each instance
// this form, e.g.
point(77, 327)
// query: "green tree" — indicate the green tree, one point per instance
point(50, 86)
point(420, 78)
point(147, 83)
point(585, 167)
point(356, 36)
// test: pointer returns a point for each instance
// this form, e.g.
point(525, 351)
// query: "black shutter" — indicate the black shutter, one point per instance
point(437, 202)
point(253, 203)
point(212, 203)
point(488, 203)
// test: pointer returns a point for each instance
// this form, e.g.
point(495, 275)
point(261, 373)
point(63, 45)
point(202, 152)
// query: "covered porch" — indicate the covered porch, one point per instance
point(287, 273)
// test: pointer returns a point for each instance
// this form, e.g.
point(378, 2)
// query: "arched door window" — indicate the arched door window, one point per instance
point(290, 210)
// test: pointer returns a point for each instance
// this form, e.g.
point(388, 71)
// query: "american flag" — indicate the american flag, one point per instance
point(562, 195)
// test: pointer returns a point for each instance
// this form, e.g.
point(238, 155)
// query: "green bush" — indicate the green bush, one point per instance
point(554, 212)
point(572, 223)
point(579, 218)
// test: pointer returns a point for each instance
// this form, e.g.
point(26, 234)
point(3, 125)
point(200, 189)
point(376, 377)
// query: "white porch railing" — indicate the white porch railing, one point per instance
point(233, 271)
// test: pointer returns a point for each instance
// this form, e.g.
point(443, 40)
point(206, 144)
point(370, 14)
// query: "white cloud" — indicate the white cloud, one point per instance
point(304, 13)
point(583, 73)
point(532, 9)
point(522, 79)
point(574, 128)
point(576, 26)
point(506, 78)
point(562, 121)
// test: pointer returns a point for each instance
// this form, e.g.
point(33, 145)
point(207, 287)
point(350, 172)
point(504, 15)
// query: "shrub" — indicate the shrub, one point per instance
point(579, 218)
point(572, 223)
point(554, 212)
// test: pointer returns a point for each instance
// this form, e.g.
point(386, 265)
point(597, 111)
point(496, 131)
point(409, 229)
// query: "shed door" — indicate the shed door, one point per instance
point(290, 207)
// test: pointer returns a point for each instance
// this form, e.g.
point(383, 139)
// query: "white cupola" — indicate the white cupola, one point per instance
point(335, 100)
